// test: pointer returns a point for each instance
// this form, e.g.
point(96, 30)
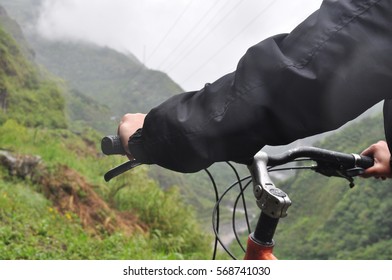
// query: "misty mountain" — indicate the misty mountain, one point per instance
point(13, 28)
point(23, 90)
point(109, 77)
point(25, 12)
point(80, 110)
point(117, 81)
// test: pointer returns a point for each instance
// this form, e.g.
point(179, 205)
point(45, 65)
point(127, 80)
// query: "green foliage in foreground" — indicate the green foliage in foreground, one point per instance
point(32, 228)
point(170, 220)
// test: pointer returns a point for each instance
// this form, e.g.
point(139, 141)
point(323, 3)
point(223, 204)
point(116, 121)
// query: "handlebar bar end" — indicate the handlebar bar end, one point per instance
point(111, 145)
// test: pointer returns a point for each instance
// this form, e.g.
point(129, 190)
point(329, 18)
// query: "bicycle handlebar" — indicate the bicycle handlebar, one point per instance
point(111, 145)
point(321, 155)
point(329, 163)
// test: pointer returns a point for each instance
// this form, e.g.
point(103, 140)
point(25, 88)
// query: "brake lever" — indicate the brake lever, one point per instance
point(348, 178)
point(353, 172)
point(347, 174)
point(356, 171)
point(120, 169)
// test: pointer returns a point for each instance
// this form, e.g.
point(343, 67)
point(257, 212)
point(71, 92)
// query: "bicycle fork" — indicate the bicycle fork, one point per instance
point(273, 203)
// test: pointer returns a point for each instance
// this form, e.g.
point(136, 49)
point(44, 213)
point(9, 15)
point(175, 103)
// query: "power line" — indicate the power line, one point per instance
point(170, 29)
point(138, 72)
point(230, 41)
point(144, 63)
point(189, 33)
point(194, 46)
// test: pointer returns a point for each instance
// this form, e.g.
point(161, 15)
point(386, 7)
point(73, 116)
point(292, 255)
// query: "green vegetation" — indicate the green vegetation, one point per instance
point(59, 207)
point(84, 111)
point(33, 228)
point(22, 92)
point(43, 225)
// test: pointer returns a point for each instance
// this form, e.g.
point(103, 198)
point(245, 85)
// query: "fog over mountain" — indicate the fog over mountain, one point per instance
point(193, 41)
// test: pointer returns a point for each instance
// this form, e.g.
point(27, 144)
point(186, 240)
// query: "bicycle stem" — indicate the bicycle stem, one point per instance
point(273, 203)
point(270, 199)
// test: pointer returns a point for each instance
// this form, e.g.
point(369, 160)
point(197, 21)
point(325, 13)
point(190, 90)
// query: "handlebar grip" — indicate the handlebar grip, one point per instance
point(365, 162)
point(111, 145)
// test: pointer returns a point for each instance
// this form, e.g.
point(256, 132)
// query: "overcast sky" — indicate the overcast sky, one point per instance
point(194, 41)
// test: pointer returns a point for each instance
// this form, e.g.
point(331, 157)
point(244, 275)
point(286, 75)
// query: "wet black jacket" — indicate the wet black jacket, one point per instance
point(327, 71)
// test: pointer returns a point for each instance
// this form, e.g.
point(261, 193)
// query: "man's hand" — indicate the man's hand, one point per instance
point(381, 154)
point(127, 127)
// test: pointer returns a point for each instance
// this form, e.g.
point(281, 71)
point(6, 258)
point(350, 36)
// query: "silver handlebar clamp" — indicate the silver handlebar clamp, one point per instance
point(271, 200)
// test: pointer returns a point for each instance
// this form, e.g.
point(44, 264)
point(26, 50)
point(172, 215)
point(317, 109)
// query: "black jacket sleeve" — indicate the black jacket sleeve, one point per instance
point(327, 71)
